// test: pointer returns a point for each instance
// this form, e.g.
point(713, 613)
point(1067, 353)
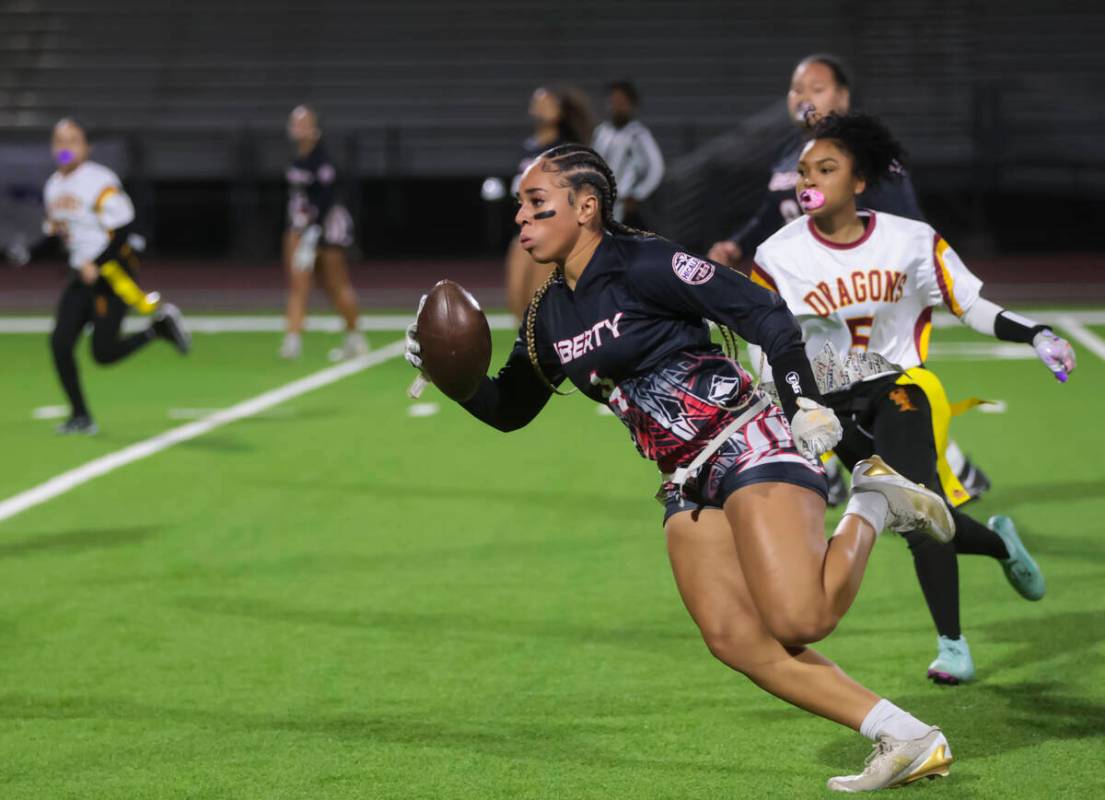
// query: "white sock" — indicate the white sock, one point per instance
point(955, 458)
point(886, 719)
point(869, 506)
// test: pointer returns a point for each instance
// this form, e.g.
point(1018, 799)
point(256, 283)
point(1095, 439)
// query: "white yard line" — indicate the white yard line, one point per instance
point(1078, 331)
point(62, 483)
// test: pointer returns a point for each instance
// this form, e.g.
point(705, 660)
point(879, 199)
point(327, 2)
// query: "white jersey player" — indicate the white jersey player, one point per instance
point(87, 208)
point(863, 286)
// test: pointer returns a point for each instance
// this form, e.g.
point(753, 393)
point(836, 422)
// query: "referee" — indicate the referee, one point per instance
point(87, 208)
point(628, 147)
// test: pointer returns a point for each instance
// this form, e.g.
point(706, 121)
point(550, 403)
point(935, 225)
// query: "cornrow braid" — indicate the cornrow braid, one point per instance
point(531, 330)
point(580, 167)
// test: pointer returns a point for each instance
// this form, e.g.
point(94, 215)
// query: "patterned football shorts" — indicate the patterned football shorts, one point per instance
point(760, 452)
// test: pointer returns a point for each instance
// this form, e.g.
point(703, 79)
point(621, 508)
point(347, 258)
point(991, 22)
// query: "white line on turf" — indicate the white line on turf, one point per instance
point(50, 412)
point(1083, 335)
point(397, 322)
point(60, 484)
point(422, 409)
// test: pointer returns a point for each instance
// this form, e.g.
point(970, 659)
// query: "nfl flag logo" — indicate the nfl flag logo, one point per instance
point(690, 269)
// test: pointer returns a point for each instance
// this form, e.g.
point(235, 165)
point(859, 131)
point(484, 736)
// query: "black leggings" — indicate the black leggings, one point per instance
point(79, 305)
point(896, 422)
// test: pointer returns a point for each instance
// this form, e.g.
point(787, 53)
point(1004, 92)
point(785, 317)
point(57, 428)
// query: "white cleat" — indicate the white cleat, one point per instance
point(354, 346)
point(896, 762)
point(292, 346)
point(912, 506)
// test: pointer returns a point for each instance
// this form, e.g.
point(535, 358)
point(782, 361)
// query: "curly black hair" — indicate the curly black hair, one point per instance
point(875, 151)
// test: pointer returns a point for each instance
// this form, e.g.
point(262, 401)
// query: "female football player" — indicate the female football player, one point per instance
point(821, 85)
point(866, 282)
point(87, 208)
point(559, 116)
point(318, 233)
point(621, 318)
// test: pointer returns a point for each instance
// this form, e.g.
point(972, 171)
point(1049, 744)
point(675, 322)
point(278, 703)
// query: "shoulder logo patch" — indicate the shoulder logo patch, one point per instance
point(692, 270)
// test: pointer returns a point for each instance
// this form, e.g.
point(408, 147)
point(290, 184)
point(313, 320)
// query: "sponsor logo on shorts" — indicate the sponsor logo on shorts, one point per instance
point(692, 270)
point(901, 399)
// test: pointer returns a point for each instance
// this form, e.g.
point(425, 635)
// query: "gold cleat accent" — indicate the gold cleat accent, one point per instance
point(935, 766)
point(912, 507)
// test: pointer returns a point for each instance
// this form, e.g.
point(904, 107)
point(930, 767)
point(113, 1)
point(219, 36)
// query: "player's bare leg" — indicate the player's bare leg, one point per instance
point(801, 582)
point(299, 292)
point(715, 590)
point(334, 269)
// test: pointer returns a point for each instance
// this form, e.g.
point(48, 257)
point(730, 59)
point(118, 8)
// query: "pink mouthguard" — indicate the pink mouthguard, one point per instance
point(811, 199)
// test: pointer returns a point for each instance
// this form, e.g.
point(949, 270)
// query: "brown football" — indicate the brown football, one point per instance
point(455, 340)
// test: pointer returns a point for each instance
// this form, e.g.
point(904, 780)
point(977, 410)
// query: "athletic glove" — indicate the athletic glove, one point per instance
point(413, 355)
point(815, 428)
point(303, 259)
point(1056, 353)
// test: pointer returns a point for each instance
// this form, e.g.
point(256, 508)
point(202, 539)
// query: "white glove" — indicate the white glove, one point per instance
point(815, 428)
point(1056, 353)
point(303, 259)
point(413, 354)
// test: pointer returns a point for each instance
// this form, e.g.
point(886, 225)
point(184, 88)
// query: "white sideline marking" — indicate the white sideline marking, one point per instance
point(982, 351)
point(60, 484)
point(422, 409)
point(397, 322)
point(1084, 336)
point(994, 407)
point(50, 412)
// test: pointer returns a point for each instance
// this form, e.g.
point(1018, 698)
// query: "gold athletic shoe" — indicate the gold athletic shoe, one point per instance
point(912, 506)
point(896, 762)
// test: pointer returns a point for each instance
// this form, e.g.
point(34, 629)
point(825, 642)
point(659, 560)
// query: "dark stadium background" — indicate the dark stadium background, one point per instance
point(997, 102)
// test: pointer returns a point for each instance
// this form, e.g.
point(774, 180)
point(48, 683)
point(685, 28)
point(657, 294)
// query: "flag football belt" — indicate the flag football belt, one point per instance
point(683, 474)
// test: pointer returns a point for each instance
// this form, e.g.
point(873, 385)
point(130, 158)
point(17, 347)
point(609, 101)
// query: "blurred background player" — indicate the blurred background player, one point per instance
point(559, 116)
point(88, 210)
point(628, 147)
point(863, 284)
point(319, 231)
point(819, 86)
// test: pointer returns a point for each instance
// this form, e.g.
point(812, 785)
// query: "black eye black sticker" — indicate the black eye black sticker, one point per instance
point(545, 214)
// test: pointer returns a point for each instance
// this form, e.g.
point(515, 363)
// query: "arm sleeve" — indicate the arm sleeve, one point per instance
point(515, 396)
point(756, 230)
point(652, 165)
point(687, 286)
point(993, 320)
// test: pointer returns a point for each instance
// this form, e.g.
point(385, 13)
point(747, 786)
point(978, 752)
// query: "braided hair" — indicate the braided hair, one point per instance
point(580, 168)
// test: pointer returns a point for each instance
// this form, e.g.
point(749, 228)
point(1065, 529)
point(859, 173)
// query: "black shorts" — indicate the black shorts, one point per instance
point(762, 451)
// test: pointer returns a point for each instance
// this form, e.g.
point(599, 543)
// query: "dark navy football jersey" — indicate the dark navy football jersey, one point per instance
point(312, 188)
point(633, 335)
point(894, 195)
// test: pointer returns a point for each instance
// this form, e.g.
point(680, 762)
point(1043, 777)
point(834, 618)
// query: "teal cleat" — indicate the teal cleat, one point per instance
point(1020, 569)
point(953, 664)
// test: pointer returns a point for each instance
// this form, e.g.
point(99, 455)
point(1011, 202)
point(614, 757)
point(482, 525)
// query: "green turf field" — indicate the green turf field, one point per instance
point(335, 599)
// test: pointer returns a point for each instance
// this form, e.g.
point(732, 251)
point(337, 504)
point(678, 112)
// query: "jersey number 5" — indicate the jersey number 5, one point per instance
point(860, 328)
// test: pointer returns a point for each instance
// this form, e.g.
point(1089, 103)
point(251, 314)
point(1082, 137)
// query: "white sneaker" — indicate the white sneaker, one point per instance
point(355, 345)
point(292, 346)
point(896, 762)
point(912, 506)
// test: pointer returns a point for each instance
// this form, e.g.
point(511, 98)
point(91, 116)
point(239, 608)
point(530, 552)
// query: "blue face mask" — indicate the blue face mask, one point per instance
point(64, 157)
